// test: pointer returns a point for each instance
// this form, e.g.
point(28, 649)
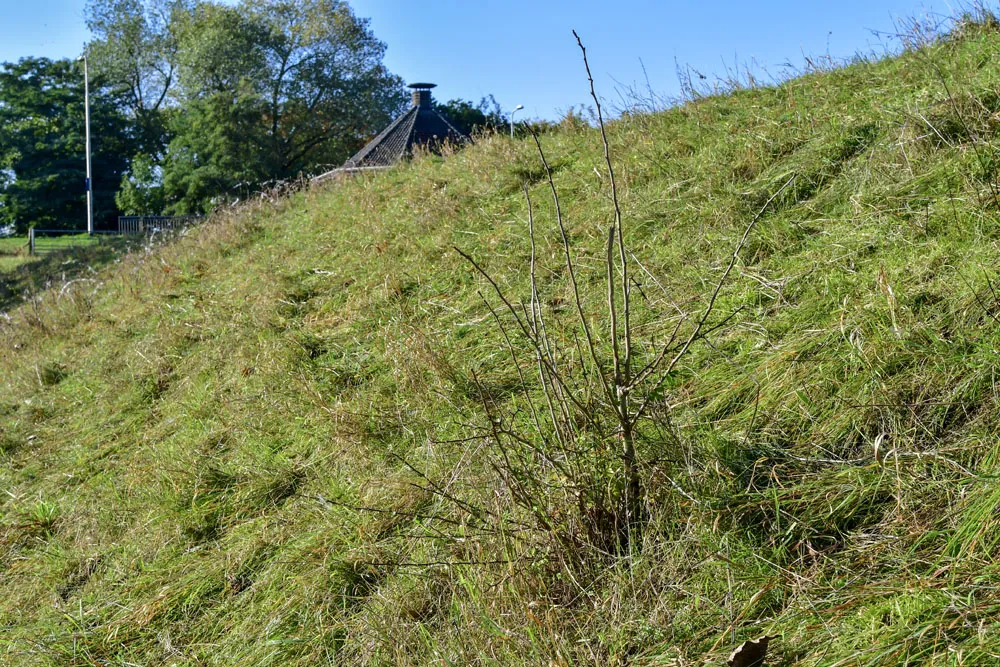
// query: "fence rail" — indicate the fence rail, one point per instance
point(45, 241)
point(143, 224)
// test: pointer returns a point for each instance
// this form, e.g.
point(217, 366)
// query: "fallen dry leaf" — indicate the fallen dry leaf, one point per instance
point(750, 653)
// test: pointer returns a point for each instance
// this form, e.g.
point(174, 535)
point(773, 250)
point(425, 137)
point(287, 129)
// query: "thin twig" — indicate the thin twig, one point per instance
point(626, 287)
point(711, 303)
point(513, 358)
point(572, 271)
point(521, 324)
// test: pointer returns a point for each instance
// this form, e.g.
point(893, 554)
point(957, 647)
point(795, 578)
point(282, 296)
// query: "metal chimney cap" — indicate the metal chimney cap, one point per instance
point(422, 86)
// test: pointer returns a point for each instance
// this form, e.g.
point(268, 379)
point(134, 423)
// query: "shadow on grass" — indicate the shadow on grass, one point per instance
point(59, 266)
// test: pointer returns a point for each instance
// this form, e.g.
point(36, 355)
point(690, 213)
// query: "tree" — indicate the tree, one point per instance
point(135, 53)
point(141, 191)
point(270, 90)
point(223, 98)
point(220, 53)
point(487, 116)
point(218, 154)
point(326, 88)
point(42, 147)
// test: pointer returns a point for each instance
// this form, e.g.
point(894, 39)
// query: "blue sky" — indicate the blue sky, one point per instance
point(523, 52)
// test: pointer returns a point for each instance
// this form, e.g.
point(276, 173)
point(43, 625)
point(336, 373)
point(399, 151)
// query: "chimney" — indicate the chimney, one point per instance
point(422, 94)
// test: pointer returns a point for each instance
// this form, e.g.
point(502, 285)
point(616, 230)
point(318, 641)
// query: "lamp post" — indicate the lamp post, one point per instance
point(86, 113)
point(516, 109)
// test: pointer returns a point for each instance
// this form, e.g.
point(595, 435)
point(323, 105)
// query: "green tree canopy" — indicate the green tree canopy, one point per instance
point(42, 147)
point(304, 84)
point(487, 116)
point(218, 154)
point(135, 54)
point(240, 95)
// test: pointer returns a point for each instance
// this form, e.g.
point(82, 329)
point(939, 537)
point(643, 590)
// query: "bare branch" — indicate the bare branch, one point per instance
point(572, 271)
point(520, 323)
point(711, 303)
point(626, 360)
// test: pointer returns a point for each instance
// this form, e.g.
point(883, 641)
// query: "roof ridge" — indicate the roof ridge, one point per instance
point(375, 143)
point(420, 124)
point(451, 128)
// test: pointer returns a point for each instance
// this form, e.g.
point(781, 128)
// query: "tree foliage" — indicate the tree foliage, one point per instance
point(218, 154)
point(194, 103)
point(240, 95)
point(42, 146)
point(135, 50)
point(487, 116)
point(141, 191)
point(325, 87)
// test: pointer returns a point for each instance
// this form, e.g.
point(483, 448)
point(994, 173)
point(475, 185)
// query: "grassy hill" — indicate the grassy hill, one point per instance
point(311, 433)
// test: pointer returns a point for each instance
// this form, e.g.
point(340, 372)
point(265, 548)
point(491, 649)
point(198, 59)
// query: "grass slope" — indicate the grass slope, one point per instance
point(253, 446)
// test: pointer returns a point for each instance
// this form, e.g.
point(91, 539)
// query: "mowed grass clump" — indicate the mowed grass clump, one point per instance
point(273, 442)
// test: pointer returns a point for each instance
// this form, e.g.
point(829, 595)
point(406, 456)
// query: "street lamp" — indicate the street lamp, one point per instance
point(86, 112)
point(516, 109)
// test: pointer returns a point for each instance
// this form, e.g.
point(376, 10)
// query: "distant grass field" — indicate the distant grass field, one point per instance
point(13, 252)
point(311, 433)
point(12, 244)
point(18, 245)
point(60, 257)
point(14, 249)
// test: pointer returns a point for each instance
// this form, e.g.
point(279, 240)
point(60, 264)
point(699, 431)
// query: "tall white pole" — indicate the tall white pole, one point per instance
point(516, 109)
point(90, 182)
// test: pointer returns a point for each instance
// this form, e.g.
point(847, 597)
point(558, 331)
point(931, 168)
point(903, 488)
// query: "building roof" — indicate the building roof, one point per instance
point(420, 125)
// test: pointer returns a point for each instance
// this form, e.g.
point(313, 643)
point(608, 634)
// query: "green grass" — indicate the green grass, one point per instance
point(13, 252)
point(14, 249)
point(10, 263)
point(49, 242)
point(12, 244)
point(259, 445)
point(66, 259)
